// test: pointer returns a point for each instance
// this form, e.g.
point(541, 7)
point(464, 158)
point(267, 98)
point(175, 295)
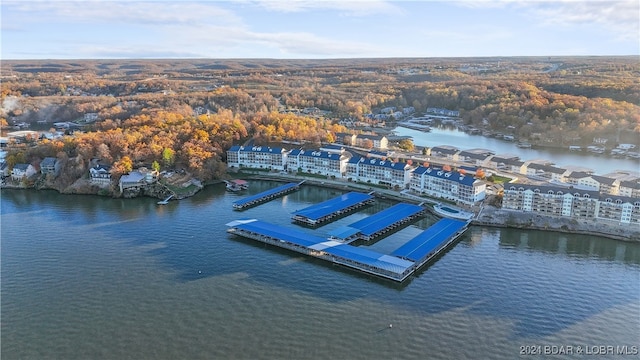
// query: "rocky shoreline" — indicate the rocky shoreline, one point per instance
point(495, 217)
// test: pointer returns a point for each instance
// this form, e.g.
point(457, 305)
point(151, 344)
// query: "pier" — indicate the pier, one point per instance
point(386, 220)
point(397, 266)
point(328, 210)
point(432, 241)
point(265, 196)
point(361, 259)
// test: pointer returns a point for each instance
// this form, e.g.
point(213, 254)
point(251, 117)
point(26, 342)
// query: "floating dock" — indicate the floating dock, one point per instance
point(432, 241)
point(386, 220)
point(265, 196)
point(398, 266)
point(365, 260)
point(328, 210)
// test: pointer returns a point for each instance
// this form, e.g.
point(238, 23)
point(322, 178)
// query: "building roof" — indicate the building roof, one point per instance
point(21, 166)
point(464, 179)
point(603, 179)
point(48, 162)
point(261, 149)
point(630, 184)
point(315, 154)
point(422, 245)
point(380, 220)
point(450, 150)
point(317, 211)
point(132, 177)
point(547, 168)
point(380, 163)
point(269, 192)
point(371, 136)
point(473, 155)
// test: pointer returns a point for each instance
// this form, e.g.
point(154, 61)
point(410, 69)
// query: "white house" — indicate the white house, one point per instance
point(100, 175)
point(21, 171)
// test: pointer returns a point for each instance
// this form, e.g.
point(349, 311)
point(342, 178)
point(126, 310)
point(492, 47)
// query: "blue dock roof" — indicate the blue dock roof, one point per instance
point(278, 232)
point(378, 221)
point(429, 240)
point(359, 256)
point(317, 211)
point(255, 197)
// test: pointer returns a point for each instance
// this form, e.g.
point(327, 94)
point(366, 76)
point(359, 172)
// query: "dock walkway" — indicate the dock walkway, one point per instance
point(265, 196)
point(328, 210)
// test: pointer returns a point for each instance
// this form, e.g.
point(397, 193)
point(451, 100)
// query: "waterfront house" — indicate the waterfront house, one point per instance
point(21, 171)
point(100, 174)
point(257, 157)
point(137, 179)
point(378, 171)
point(451, 185)
point(48, 165)
point(318, 162)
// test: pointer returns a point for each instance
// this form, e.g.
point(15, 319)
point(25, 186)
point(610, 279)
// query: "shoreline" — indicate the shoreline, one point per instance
point(488, 215)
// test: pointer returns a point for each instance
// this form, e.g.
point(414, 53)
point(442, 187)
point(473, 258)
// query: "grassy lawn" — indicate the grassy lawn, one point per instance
point(496, 179)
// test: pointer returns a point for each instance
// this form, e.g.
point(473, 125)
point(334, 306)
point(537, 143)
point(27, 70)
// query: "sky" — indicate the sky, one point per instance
point(301, 29)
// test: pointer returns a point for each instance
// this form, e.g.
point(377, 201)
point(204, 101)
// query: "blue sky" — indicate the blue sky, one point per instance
point(297, 29)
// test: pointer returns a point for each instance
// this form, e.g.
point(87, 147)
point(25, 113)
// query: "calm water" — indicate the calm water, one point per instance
point(601, 164)
point(96, 278)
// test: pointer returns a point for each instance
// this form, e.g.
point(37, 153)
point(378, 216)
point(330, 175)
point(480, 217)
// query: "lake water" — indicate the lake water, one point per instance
point(87, 277)
point(601, 164)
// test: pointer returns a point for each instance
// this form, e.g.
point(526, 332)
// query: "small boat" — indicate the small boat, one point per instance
point(575, 148)
point(236, 185)
point(524, 145)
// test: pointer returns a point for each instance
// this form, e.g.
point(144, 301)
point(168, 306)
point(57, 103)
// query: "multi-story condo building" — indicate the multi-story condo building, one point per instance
point(571, 202)
point(379, 171)
point(260, 157)
point(451, 185)
point(630, 188)
point(318, 162)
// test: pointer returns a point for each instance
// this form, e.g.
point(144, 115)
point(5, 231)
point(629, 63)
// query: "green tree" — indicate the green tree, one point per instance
point(168, 156)
point(155, 165)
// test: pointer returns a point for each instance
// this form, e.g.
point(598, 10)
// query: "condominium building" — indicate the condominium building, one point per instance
point(379, 171)
point(571, 202)
point(318, 162)
point(259, 157)
point(451, 185)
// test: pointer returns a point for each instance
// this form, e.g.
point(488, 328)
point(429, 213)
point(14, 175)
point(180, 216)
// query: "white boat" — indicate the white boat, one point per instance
point(236, 185)
point(452, 212)
point(575, 148)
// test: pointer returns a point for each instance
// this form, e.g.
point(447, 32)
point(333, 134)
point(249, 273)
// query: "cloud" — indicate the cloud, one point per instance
point(346, 8)
point(618, 17)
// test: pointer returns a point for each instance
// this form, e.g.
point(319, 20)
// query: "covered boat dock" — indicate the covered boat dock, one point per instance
point(265, 196)
point(332, 208)
point(432, 241)
point(386, 220)
point(372, 262)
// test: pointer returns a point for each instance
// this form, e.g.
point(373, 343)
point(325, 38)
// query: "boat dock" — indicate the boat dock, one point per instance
point(384, 221)
point(328, 210)
point(398, 266)
point(432, 241)
point(265, 196)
